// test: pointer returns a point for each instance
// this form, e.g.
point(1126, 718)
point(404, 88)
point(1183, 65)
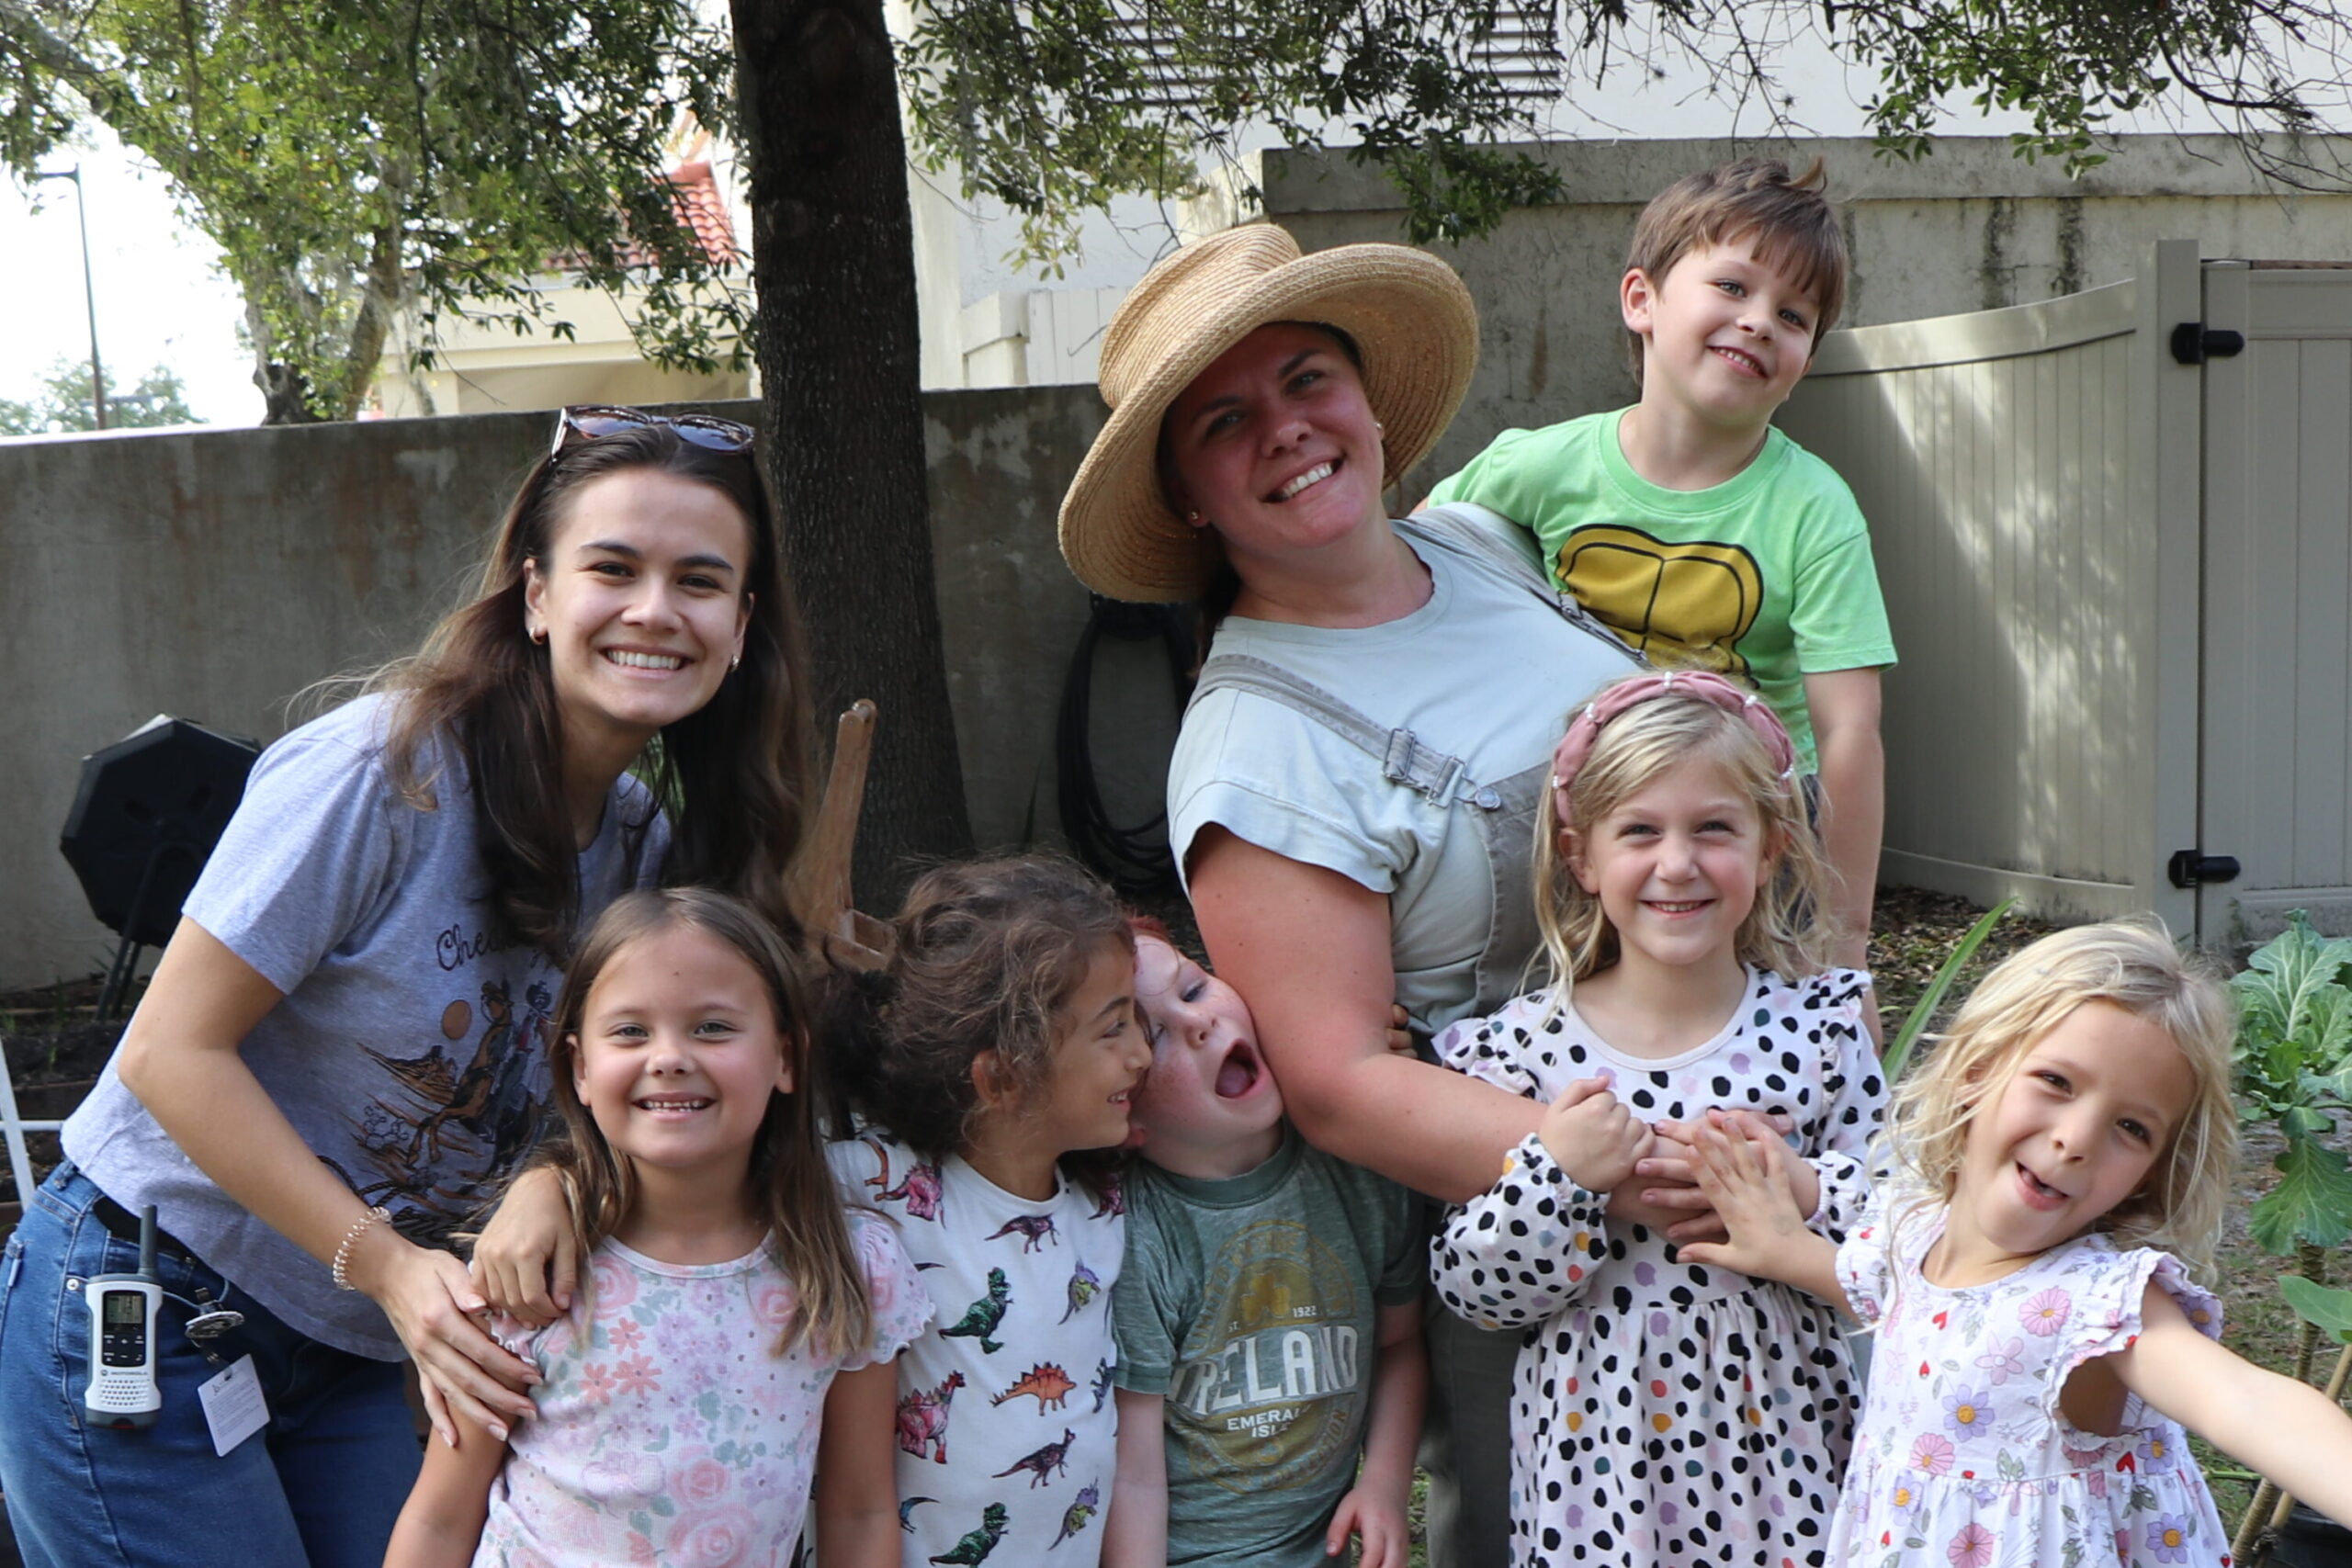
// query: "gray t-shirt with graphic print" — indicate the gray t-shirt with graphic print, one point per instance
point(409, 1052)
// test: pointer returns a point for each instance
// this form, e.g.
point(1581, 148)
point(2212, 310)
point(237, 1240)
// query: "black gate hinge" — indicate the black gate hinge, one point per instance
point(2194, 868)
point(2193, 345)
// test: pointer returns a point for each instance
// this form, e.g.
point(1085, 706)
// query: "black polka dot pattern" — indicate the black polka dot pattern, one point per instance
point(1664, 1411)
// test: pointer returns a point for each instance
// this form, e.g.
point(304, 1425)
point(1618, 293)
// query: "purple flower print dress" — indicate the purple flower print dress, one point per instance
point(1964, 1458)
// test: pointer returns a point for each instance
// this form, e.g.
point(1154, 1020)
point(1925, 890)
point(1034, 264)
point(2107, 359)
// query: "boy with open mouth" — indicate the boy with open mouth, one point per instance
point(1268, 1313)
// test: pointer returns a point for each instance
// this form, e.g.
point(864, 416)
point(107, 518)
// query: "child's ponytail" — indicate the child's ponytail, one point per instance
point(987, 952)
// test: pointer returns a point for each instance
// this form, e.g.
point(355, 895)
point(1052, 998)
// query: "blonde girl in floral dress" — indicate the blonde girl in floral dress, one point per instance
point(2041, 1343)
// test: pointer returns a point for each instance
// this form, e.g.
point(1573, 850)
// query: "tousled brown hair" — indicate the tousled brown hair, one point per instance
point(733, 775)
point(791, 1187)
point(987, 956)
point(1787, 219)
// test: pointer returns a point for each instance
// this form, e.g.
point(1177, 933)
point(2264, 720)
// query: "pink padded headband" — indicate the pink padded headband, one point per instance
point(1584, 728)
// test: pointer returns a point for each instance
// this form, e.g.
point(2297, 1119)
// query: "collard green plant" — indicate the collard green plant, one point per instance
point(2294, 1069)
point(2329, 1311)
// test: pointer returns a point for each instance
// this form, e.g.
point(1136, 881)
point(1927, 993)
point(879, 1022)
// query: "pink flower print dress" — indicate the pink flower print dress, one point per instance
point(1964, 1458)
point(667, 1431)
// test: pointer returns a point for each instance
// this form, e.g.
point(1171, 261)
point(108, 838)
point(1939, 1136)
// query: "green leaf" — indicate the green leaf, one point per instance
point(2331, 1309)
point(2300, 1120)
point(2285, 980)
point(2313, 1202)
point(1898, 1052)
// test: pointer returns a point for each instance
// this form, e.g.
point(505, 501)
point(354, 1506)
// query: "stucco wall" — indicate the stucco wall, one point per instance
point(1970, 228)
point(213, 575)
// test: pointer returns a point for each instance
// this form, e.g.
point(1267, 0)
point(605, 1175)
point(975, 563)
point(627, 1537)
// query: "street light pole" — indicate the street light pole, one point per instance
point(89, 289)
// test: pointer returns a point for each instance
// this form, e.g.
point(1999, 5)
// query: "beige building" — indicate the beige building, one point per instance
point(488, 368)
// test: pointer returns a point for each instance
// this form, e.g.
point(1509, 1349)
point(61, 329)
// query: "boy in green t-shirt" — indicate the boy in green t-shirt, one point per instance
point(1700, 534)
point(1268, 1313)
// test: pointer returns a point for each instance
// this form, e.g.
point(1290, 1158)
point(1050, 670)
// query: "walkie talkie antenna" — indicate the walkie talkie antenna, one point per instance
point(147, 1242)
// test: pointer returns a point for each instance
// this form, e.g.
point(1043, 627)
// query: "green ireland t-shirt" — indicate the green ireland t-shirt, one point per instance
point(1765, 578)
point(1250, 1304)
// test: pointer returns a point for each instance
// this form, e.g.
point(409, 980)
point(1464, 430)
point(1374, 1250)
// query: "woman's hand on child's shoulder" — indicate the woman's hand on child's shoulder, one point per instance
point(1592, 1136)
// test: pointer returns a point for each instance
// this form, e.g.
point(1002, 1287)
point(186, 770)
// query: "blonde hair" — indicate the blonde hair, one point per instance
point(1785, 931)
point(2130, 965)
point(1789, 223)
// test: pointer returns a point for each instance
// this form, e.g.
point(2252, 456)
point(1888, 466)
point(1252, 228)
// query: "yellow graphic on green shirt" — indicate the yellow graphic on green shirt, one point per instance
point(1681, 604)
point(1261, 1394)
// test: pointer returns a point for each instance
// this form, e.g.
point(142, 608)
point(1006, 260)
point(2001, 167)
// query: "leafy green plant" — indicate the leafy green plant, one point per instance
point(2294, 1072)
point(2329, 1310)
point(1923, 1011)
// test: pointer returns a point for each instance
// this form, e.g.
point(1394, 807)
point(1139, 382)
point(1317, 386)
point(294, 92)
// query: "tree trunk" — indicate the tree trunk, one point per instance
point(833, 250)
point(380, 292)
point(285, 390)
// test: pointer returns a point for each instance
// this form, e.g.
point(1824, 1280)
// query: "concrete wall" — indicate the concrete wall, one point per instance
point(214, 575)
point(1970, 228)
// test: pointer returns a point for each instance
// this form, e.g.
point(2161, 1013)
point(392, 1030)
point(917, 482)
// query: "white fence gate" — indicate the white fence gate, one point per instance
point(2117, 547)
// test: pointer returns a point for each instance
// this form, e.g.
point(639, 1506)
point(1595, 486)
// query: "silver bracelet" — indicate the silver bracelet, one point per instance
point(351, 1239)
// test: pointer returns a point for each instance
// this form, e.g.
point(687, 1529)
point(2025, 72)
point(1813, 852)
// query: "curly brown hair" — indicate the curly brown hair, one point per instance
point(988, 954)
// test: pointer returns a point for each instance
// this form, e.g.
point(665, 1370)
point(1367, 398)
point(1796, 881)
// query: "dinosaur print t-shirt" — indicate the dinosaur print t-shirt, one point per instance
point(1007, 1431)
point(410, 1051)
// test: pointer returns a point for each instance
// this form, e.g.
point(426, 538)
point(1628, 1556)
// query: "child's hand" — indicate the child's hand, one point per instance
point(1594, 1139)
point(1376, 1521)
point(1741, 1167)
point(1400, 1031)
point(1667, 1176)
point(526, 1263)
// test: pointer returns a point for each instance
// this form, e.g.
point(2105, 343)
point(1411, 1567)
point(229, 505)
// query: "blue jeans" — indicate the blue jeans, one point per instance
point(319, 1488)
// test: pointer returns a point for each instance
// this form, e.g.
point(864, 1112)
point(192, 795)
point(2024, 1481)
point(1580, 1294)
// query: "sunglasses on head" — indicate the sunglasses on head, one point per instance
point(586, 422)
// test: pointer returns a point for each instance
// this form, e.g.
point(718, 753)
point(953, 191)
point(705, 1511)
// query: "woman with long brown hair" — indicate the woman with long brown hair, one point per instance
point(344, 1046)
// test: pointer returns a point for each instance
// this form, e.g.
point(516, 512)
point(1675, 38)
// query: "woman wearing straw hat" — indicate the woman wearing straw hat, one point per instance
point(1353, 791)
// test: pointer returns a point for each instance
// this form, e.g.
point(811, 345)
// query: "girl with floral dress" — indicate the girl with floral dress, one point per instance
point(2039, 1343)
point(1667, 1412)
point(738, 1326)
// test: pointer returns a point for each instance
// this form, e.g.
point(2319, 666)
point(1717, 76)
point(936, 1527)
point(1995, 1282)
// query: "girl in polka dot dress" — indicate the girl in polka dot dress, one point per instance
point(1665, 1412)
point(2040, 1347)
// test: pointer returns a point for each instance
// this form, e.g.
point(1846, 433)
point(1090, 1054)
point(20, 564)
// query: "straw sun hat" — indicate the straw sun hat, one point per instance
point(1407, 310)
